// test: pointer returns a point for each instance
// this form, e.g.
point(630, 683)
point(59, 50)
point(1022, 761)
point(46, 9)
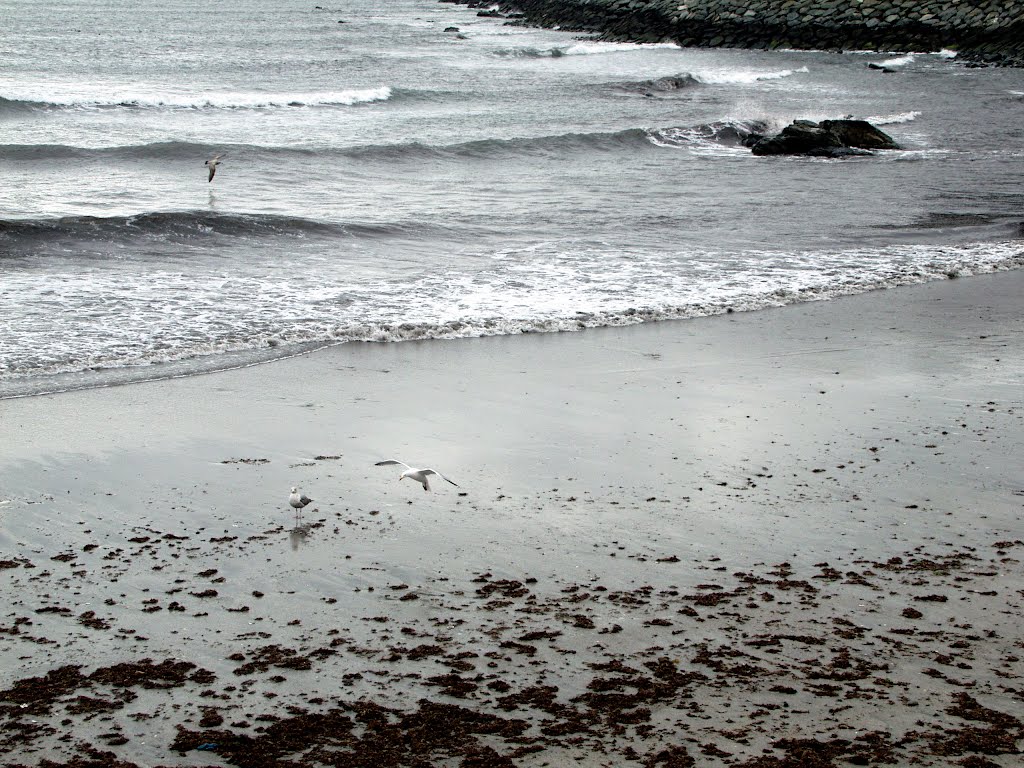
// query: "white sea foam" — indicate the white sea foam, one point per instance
point(900, 117)
point(583, 48)
point(899, 61)
point(90, 95)
point(597, 46)
point(743, 77)
point(713, 139)
point(179, 317)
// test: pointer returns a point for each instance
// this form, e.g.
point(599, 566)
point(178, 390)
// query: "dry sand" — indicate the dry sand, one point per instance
point(783, 538)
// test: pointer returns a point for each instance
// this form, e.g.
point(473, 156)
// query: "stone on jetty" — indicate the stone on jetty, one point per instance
point(984, 32)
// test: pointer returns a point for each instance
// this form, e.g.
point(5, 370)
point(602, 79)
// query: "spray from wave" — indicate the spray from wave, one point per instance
point(744, 77)
point(900, 117)
point(899, 61)
point(708, 136)
point(583, 48)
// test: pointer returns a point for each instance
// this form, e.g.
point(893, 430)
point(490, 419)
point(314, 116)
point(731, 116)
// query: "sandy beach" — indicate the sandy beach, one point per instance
point(790, 537)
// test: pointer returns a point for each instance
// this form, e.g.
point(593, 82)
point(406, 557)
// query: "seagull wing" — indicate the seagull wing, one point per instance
point(389, 462)
point(435, 472)
point(212, 163)
point(305, 499)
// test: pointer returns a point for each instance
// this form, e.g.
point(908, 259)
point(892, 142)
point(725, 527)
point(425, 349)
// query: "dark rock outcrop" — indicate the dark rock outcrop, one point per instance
point(667, 84)
point(829, 138)
point(859, 133)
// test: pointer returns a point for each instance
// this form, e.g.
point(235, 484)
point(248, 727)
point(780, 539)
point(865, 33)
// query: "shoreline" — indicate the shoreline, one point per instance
point(59, 383)
point(794, 530)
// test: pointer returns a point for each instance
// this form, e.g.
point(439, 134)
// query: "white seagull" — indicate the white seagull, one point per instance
point(419, 475)
point(212, 163)
point(298, 501)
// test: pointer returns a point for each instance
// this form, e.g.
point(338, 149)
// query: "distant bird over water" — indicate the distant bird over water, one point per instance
point(212, 164)
point(419, 475)
point(298, 501)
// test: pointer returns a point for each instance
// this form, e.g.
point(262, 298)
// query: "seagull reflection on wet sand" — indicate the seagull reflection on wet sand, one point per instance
point(297, 536)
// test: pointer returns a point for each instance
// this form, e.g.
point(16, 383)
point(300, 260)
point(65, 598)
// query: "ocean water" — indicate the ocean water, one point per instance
point(386, 178)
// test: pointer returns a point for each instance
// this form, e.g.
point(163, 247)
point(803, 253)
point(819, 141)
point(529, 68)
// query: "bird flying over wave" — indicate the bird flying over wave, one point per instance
point(419, 475)
point(212, 164)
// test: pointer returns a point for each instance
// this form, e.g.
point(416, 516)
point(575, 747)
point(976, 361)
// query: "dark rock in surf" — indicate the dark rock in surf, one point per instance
point(829, 138)
point(859, 133)
point(672, 83)
point(880, 68)
point(799, 138)
point(667, 84)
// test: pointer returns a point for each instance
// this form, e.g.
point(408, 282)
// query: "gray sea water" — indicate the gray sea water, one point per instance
point(388, 178)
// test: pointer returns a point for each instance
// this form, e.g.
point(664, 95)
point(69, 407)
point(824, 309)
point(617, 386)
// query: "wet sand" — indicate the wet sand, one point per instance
point(783, 538)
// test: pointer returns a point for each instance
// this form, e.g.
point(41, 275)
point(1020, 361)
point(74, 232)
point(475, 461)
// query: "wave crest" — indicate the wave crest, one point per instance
point(727, 133)
point(901, 117)
point(179, 225)
point(745, 77)
point(17, 106)
point(479, 149)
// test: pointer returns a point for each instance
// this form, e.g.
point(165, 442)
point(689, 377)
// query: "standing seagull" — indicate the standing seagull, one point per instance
point(298, 501)
point(419, 475)
point(212, 163)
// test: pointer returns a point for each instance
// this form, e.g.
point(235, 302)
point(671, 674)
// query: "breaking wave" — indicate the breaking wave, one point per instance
point(725, 133)
point(899, 61)
point(582, 48)
point(180, 224)
point(185, 226)
point(226, 322)
point(744, 77)
point(483, 148)
point(900, 117)
point(130, 98)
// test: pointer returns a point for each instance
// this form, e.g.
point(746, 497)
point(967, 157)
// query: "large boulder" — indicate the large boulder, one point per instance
point(829, 138)
point(859, 133)
point(798, 138)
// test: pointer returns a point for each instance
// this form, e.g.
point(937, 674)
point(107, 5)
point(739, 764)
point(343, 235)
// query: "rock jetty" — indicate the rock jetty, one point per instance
point(982, 32)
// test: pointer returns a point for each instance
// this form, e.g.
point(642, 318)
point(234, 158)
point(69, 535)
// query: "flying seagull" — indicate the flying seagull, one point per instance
point(419, 475)
point(298, 501)
point(212, 163)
